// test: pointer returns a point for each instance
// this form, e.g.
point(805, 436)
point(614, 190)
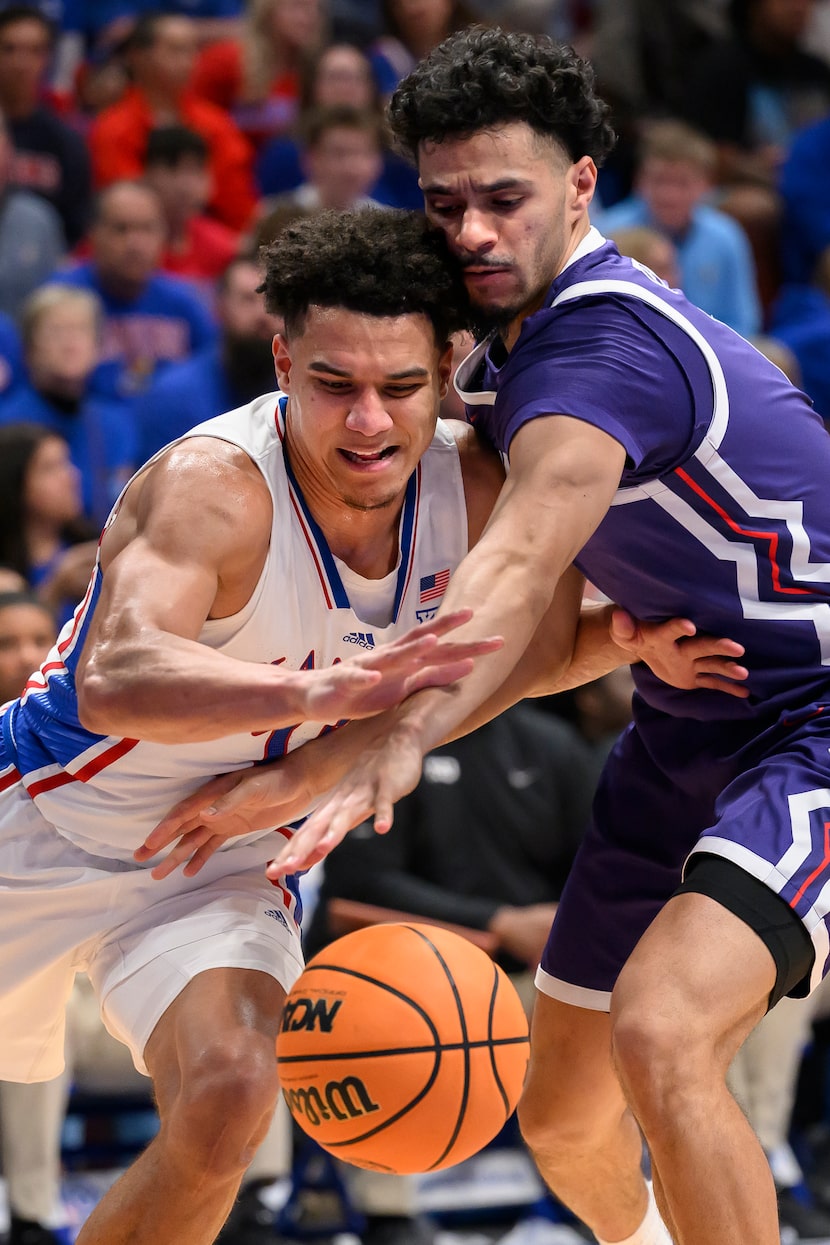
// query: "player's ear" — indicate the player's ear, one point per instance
point(282, 361)
point(445, 368)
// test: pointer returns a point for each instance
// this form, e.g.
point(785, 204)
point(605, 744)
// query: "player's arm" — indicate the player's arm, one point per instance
point(189, 543)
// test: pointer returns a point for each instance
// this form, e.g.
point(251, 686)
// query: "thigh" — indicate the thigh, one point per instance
point(773, 821)
point(628, 865)
point(173, 933)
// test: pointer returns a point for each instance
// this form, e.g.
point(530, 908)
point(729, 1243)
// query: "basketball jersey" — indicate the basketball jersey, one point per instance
point(723, 511)
point(105, 793)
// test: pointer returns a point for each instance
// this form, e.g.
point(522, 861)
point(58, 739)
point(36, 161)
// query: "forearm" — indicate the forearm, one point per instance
point(166, 689)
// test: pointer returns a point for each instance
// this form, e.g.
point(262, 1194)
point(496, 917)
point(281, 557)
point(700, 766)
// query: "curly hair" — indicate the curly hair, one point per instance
point(373, 261)
point(484, 77)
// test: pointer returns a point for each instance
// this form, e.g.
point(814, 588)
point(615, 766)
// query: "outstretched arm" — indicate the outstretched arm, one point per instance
point(189, 543)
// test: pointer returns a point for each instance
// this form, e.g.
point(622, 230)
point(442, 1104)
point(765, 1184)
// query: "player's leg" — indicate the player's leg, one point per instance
point(573, 1113)
point(211, 1057)
point(575, 1119)
point(693, 989)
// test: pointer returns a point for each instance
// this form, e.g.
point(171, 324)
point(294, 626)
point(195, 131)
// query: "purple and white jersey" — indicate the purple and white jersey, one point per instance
point(723, 513)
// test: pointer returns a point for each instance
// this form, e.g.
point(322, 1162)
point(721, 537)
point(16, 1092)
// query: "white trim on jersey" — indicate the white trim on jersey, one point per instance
point(567, 992)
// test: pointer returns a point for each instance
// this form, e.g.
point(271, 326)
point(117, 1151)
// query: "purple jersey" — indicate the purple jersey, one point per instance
point(723, 513)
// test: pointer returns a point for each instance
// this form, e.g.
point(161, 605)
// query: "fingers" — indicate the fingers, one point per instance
point(186, 815)
point(182, 852)
point(716, 684)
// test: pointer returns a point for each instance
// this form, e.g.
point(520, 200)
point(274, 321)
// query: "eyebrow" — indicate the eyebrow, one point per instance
point(504, 183)
point(410, 373)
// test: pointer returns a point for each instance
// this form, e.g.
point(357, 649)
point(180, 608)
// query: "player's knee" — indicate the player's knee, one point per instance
point(225, 1104)
point(558, 1121)
point(654, 1053)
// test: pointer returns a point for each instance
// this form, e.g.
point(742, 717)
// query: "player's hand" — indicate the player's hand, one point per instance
point(382, 677)
point(681, 657)
point(226, 807)
point(387, 769)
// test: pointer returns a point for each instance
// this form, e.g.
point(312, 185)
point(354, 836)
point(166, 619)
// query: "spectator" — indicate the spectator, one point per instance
point(675, 174)
point(150, 318)
point(256, 78)
point(11, 355)
point(342, 158)
point(61, 343)
point(800, 317)
point(31, 236)
point(751, 94)
point(43, 536)
point(805, 191)
point(161, 56)
point(413, 28)
point(177, 168)
point(224, 376)
point(341, 75)
point(50, 159)
point(27, 632)
point(650, 248)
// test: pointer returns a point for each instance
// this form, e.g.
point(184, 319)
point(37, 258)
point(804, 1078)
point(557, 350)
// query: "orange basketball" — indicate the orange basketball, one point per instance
point(403, 1048)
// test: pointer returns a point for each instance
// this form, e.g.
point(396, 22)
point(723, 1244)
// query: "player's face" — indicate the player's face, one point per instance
point(363, 394)
point(513, 208)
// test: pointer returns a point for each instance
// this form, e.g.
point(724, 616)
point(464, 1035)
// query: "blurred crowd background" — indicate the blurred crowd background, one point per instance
point(147, 152)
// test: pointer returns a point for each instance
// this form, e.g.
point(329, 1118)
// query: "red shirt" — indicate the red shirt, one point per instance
point(209, 248)
point(118, 141)
point(218, 78)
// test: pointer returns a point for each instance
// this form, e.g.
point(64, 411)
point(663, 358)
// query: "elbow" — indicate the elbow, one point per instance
point(100, 703)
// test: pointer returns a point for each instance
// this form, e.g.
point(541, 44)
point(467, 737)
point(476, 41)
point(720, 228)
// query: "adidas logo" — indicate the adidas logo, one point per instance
point(363, 639)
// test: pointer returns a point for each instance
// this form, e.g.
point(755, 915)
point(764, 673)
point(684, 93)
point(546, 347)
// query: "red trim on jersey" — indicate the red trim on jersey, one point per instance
point(79, 616)
point(108, 757)
point(311, 546)
point(819, 868)
point(414, 538)
point(9, 780)
point(772, 537)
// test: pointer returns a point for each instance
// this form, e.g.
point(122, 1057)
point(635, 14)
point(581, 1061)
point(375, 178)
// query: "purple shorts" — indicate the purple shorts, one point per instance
point(765, 807)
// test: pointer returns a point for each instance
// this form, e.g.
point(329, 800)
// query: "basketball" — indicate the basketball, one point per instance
point(403, 1048)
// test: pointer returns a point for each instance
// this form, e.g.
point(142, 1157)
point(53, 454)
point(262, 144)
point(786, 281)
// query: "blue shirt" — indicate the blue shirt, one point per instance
point(11, 355)
point(800, 317)
point(166, 322)
point(717, 271)
point(101, 438)
point(805, 189)
point(184, 395)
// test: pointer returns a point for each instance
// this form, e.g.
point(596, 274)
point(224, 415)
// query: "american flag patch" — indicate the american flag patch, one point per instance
point(434, 586)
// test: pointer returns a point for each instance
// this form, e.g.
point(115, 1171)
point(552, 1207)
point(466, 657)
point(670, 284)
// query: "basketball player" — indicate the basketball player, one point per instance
point(685, 475)
point(236, 570)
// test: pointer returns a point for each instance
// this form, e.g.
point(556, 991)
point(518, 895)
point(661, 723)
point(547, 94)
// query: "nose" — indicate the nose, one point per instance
point(476, 231)
point(367, 414)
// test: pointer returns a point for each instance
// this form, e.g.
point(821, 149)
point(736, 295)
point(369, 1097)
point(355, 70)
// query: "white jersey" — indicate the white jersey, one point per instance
point(307, 611)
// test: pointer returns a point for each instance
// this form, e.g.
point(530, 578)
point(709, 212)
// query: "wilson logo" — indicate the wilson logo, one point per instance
point(339, 1100)
point(309, 1014)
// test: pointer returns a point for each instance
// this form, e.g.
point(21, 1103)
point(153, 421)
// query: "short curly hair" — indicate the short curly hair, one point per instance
point(374, 261)
point(483, 77)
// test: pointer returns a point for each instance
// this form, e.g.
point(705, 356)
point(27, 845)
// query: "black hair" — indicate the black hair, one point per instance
point(15, 13)
point(167, 145)
point(373, 261)
point(145, 31)
point(8, 599)
point(18, 443)
point(484, 77)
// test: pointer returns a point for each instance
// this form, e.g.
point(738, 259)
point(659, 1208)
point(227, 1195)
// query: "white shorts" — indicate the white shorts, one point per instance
point(141, 941)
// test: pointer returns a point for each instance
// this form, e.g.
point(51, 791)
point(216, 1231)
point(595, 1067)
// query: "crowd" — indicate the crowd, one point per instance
point(148, 150)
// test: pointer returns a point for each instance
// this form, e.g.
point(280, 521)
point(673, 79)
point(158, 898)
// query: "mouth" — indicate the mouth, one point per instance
point(368, 458)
